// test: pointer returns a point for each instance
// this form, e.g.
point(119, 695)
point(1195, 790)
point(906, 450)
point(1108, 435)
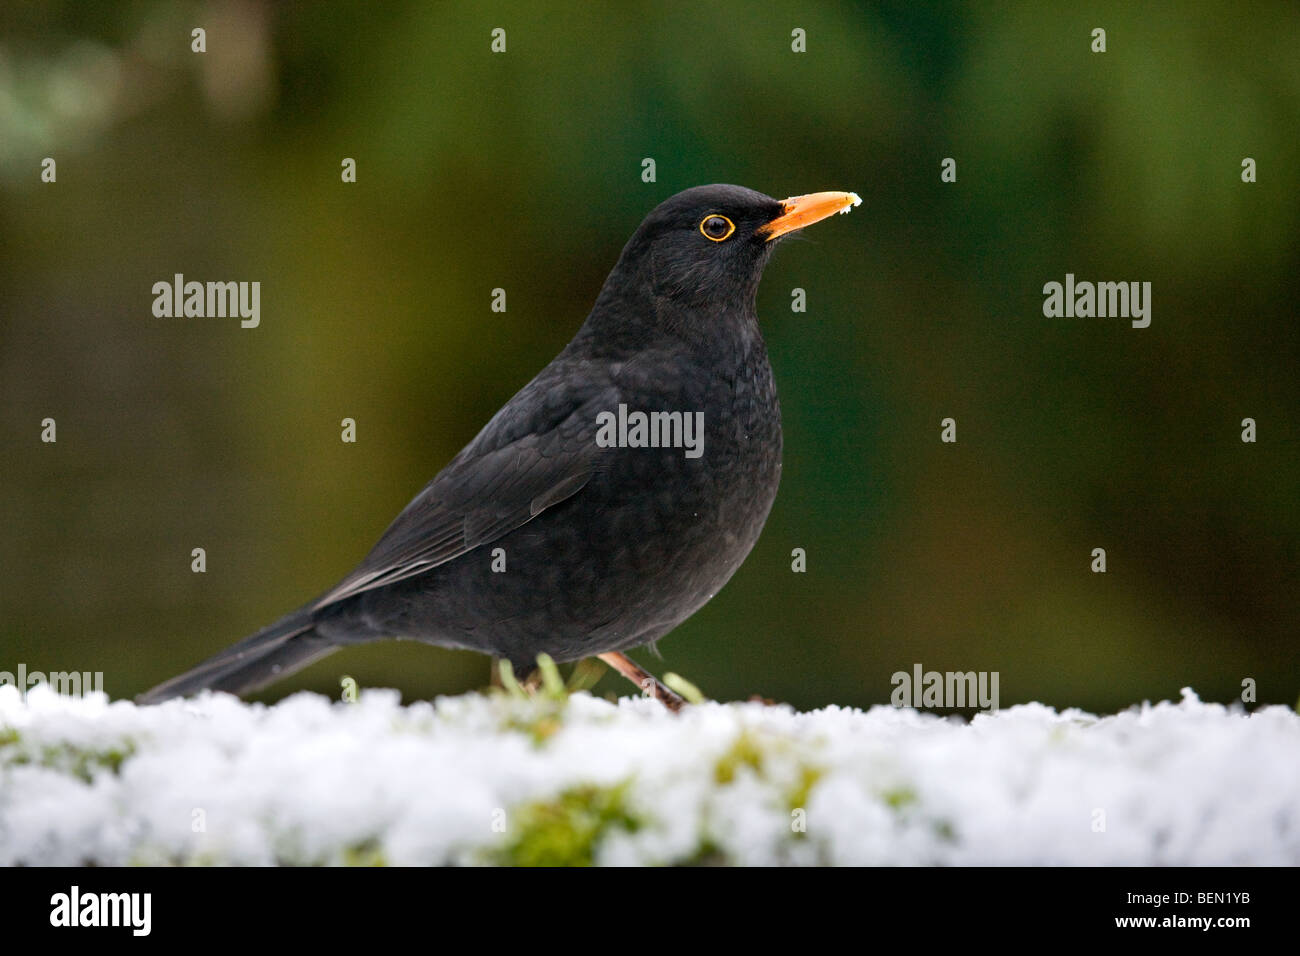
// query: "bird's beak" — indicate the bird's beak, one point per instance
point(800, 211)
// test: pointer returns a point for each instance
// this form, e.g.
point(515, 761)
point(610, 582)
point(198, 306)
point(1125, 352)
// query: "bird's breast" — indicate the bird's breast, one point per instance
point(690, 480)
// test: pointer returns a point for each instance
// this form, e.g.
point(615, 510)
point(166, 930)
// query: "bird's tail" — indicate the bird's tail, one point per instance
point(288, 645)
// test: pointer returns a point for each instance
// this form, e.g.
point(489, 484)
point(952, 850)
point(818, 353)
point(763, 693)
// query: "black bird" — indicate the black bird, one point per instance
point(608, 538)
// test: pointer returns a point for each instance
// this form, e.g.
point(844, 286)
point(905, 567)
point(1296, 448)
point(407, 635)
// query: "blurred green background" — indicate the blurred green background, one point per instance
point(523, 170)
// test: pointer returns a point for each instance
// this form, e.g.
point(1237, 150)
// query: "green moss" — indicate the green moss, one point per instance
point(808, 777)
point(745, 752)
point(155, 857)
point(586, 674)
point(899, 798)
point(547, 706)
point(568, 830)
point(540, 727)
point(114, 758)
point(707, 854)
point(79, 762)
point(797, 799)
point(367, 853)
point(904, 801)
point(688, 691)
point(552, 683)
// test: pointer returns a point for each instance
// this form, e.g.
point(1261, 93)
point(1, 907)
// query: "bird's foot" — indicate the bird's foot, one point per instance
point(643, 679)
point(503, 678)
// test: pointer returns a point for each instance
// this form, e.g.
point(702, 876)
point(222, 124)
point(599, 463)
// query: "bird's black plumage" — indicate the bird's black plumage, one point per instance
point(605, 548)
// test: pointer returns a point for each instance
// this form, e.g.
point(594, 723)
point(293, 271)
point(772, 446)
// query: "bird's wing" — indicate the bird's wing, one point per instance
point(536, 452)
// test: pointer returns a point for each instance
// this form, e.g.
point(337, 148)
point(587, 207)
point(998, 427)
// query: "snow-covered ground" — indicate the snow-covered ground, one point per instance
point(499, 779)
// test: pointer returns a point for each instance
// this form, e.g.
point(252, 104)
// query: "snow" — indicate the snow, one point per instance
point(493, 778)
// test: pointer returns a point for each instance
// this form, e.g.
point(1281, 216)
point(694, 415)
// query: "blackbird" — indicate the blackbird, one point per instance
point(610, 498)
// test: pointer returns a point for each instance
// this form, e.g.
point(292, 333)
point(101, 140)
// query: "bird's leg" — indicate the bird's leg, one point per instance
point(529, 683)
point(643, 679)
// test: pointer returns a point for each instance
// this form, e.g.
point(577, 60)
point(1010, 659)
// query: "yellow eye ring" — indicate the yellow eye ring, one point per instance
point(712, 220)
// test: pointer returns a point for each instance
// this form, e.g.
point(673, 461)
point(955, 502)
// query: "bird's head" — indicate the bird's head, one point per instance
point(704, 249)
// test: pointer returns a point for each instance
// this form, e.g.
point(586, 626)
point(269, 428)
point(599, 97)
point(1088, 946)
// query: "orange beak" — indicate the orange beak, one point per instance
point(803, 211)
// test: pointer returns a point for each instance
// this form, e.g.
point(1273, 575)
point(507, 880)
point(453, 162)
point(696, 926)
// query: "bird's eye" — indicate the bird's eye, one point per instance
point(717, 227)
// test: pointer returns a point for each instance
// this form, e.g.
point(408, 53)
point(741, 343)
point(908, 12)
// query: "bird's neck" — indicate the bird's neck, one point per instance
point(632, 313)
point(723, 336)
